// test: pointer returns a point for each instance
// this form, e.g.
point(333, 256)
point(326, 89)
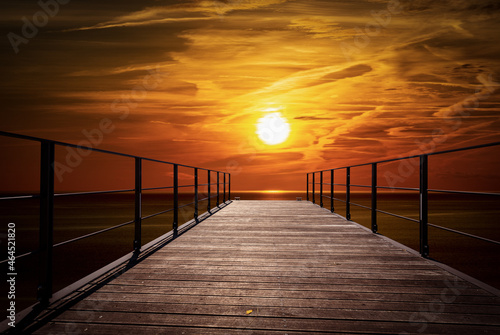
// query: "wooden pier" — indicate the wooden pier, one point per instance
point(282, 267)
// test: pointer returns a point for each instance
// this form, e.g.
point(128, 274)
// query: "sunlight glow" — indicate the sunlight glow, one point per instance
point(273, 129)
point(272, 109)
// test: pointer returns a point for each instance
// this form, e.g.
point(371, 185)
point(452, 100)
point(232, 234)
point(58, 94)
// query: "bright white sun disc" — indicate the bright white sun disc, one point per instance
point(273, 129)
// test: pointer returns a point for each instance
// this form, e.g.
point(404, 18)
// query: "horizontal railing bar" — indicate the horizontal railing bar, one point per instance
point(464, 192)
point(92, 234)
point(399, 188)
point(191, 203)
point(181, 165)
point(38, 139)
point(33, 196)
point(464, 234)
point(480, 146)
point(22, 137)
point(91, 193)
point(156, 214)
point(156, 188)
point(383, 187)
point(398, 216)
point(378, 210)
point(168, 210)
point(16, 197)
point(22, 255)
point(366, 164)
point(68, 194)
point(359, 205)
point(414, 156)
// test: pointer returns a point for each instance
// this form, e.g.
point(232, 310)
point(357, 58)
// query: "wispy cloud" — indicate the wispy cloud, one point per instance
point(205, 10)
point(117, 24)
point(231, 62)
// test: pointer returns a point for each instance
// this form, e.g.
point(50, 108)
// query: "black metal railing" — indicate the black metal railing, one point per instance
point(47, 194)
point(423, 189)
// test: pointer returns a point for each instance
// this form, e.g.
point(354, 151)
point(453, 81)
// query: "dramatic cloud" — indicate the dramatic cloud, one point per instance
point(187, 81)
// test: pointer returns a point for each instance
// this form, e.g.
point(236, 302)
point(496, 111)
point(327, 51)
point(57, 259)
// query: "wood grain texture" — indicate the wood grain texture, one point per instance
point(282, 267)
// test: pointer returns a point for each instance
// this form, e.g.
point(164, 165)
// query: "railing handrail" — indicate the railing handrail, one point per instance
point(414, 156)
point(46, 195)
point(423, 190)
point(77, 146)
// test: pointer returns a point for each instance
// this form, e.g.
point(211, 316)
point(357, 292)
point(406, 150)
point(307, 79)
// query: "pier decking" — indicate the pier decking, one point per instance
point(282, 267)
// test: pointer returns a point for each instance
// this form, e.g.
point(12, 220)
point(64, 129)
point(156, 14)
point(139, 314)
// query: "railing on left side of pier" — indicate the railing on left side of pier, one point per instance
point(47, 194)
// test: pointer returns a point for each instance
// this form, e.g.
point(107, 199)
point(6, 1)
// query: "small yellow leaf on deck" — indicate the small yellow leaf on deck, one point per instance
point(249, 311)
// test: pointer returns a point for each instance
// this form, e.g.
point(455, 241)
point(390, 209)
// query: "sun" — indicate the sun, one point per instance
point(273, 129)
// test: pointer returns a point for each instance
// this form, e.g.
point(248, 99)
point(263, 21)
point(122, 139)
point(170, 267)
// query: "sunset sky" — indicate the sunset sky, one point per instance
point(187, 81)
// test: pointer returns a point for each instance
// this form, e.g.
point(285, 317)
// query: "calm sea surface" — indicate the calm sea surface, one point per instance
point(79, 215)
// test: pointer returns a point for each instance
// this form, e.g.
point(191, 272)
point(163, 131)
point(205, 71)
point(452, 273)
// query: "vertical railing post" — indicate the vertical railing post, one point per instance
point(196, 194)
point(208, 188)
point(218, 188)
point(229, 187)
point(176, 199)
point(348, 193)
point(321, 188)
point(46, 237)
point(138, 208)
point(313, 185)
point(224, 196)
point(424, 243)
point(374, 198)
point(307, 186)
point(332, 209)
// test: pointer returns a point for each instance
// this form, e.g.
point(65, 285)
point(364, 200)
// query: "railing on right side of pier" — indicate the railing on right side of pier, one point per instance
point(423, 190)
point(47, 194)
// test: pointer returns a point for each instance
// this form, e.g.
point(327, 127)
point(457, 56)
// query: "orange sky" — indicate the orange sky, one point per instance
point(187, 81)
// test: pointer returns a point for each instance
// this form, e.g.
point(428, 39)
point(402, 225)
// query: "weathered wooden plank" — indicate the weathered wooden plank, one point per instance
point(280, 322)
point(311, 274)
point(345, 280)
point(296, 294)
point(312, 281)
point(289, 312)
point(278, 265)
point(224, 261)
point(413, 306)
point(276, 268)
point(103, 329)
point(305, 286)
